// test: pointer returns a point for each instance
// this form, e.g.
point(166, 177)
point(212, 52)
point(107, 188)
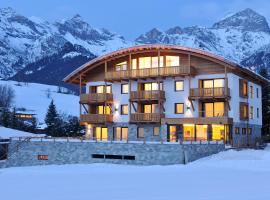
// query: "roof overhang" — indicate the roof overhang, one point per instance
point(80, 72)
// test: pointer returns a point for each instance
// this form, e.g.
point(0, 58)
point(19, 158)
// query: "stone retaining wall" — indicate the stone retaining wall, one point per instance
point(62, 152)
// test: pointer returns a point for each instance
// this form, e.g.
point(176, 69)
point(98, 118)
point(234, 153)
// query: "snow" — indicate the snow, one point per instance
point(241, 175)
point(33, 96)
point(71, 54)
point(6, 133)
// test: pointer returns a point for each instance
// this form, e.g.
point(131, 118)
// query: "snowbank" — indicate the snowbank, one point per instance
point(231, 174)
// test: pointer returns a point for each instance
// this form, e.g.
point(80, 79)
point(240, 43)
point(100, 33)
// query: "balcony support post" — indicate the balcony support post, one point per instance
point(189, 70)
point(129, 86)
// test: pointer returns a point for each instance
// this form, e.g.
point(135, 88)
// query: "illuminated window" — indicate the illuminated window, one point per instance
point(134, 63)
point(101, 133)
point(249, 131)
point(251, 112)
point(201, 132)
point(124, 109)
point(103, 110)
point(179, 86)
point(179, 108)
point(120, 133)
point(144, 62)
point(124, 88)
point(236, 130)
point(213, 83)
point(251, 91)
point(150, 108)
point(189, 132)
point(121, 66)
point(218, 132)
point(140, 132)
point(243, 111)
point(215, 109)
point(172, 61)
point(152, 86)
point(243, 88)
point(156, 131)
point(101, 89)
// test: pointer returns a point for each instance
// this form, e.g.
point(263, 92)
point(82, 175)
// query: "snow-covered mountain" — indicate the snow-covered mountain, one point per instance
point(235, 37)
point(31, 42)
point(25, 40)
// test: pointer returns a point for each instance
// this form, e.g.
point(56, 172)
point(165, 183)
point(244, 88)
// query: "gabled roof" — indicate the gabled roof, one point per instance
point(72, 77)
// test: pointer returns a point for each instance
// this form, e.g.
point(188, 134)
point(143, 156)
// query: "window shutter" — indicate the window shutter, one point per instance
point(241, 87)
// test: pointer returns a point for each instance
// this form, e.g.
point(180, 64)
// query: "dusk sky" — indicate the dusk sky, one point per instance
point(131, 18)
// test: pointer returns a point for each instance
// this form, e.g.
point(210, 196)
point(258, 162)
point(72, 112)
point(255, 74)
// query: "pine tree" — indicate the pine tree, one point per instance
point(52, 120)
point(265, 101)
point(5, 118)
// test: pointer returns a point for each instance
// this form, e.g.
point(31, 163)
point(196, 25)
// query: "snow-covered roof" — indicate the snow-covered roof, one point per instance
point(75, 75)
point(6, 133)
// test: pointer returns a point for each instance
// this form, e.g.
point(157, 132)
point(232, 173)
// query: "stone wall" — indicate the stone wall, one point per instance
point(73, 152)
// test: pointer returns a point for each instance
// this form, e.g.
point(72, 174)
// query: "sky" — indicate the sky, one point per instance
point(132, 18)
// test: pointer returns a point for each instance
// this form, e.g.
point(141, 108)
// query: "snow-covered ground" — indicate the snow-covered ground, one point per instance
point(33, 96)
point(235, 175)
point(6, 133)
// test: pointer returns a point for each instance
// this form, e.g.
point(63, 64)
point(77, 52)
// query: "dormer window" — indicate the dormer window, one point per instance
point(149, 62)
point(121, 66)
point(172, 61)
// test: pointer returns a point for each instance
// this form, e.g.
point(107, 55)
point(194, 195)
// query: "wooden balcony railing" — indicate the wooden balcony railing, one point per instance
point(96, 118)
point(218, 92)
point(147, 95)
point(146, 117)
point(96, 98)
point(149, 72)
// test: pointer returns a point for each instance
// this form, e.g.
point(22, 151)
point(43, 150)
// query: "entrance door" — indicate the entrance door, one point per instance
point(174, 133)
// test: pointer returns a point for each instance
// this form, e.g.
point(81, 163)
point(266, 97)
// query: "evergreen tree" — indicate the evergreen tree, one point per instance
point(5, 118)
point(52, 120)
point(265, 101)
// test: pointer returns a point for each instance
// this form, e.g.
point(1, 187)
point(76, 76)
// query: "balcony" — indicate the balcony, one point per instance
point(149, 73)
point(146, 117)
point(96, 118)
point(212, 113)
point(206, 93)
point(153, 95)
point(93, 98)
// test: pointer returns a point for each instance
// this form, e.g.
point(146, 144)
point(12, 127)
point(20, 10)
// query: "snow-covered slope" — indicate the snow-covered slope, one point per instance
point(35, 97)
point(235, 37)
point(236, 175)
point(24, 40)
point(6, 133)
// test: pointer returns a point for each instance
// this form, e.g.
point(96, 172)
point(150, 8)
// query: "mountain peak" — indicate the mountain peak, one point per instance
point(8, 11)
point(77, 17)
point(174, 30)
point(245, 20)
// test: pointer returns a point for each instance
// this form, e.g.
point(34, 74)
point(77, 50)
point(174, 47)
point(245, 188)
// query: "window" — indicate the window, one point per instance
point(121, 66)
point(172, 61)
point(243, 88)
point(120, 133)
point(215, 109)
point(244, 131)
point(124, 109)
point(152, 86)
point(179, 85)
point(124, 88)
point(103, 110)
point(218, 132)
point(258, 113)
point(243, 111)
point(150, 108)
point(140, 132)
point(201, 132)
point(179, 108)
point(189, 132)
point(100, 89)
point(236, 130)
point(251, 112)
point(249, 131)
point(213, 83)
point(257, 92)
point(101, 133)
point(150, 62)
point(134, 63)
point(251, 91)
point(156, 131)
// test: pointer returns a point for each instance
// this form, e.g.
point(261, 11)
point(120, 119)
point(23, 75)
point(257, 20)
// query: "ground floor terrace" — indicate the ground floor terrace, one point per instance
point(236, 134)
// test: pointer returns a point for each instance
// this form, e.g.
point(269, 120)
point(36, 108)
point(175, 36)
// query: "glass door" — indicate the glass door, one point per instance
point(175, 132)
